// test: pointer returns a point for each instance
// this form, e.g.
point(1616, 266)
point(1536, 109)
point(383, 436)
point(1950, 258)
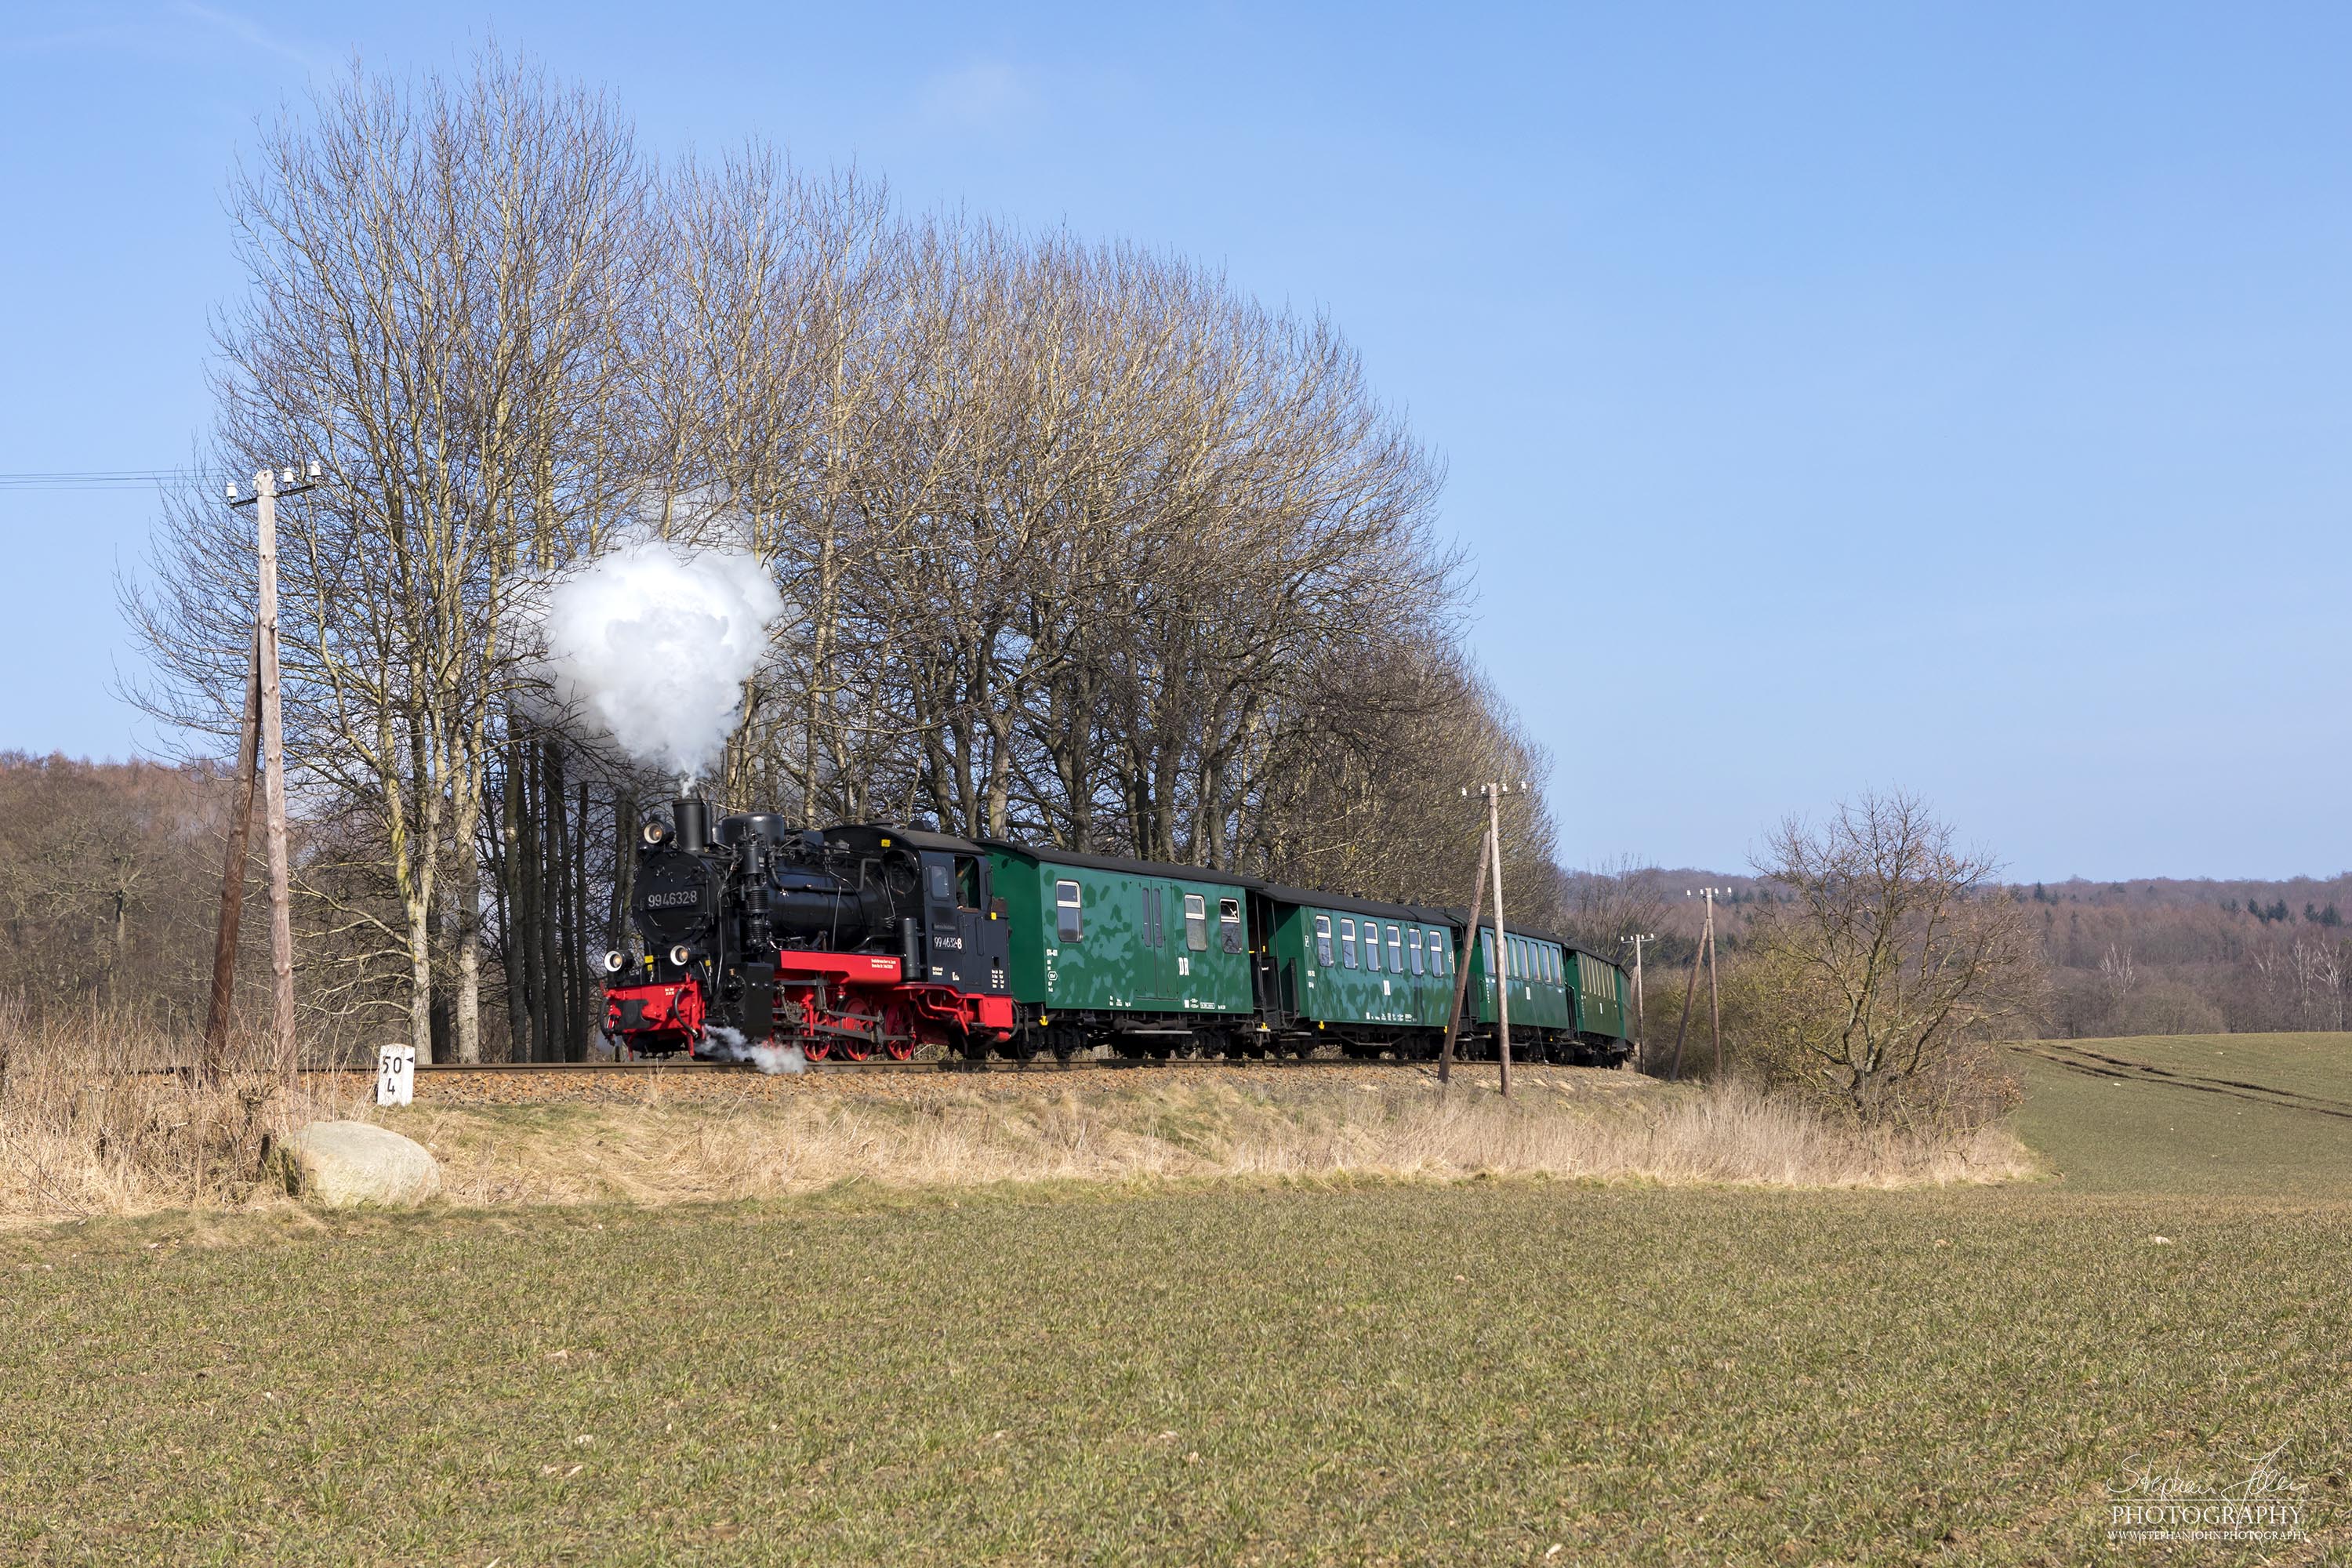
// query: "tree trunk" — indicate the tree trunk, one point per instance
point(468, 937)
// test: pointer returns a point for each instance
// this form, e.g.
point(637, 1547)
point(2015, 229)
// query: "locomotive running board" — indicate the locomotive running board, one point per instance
point(870, 967)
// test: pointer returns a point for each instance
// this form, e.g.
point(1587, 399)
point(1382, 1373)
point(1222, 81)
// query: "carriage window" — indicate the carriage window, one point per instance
point(1486, 951)
point(1412, 947)
point(1437, 952)
point(1371, 944)
point(1229, 923)
point(1347, 943)
point(1519, 958)
point(1067, 923)
point(1196, 922)
point(1323, 939)
point(1396, 951)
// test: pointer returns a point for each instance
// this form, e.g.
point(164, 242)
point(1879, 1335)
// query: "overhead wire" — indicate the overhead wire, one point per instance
point(97, 478)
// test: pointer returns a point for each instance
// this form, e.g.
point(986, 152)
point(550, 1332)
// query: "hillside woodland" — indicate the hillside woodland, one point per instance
point(2162, 956)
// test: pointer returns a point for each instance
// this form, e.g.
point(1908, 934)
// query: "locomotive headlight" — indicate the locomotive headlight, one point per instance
point(680, 955)
point(615, 960)
point(656, 833)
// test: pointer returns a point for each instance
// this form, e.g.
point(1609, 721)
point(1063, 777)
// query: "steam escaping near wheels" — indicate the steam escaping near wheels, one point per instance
point(652, 643)
point(721, 1044)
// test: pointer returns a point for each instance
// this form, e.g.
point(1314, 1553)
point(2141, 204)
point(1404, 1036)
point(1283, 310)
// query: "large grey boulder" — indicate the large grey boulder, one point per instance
point(345, 1164)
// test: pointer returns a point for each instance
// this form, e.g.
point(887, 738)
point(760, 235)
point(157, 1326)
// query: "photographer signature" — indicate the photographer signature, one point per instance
point(2265, 1481)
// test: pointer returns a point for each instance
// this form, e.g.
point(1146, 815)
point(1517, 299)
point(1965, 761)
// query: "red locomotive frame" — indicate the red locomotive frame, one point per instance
point(857, 1002)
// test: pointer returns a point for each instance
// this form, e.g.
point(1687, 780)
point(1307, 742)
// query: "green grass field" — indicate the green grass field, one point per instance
point(1476, 1374)
point(2262, 1115)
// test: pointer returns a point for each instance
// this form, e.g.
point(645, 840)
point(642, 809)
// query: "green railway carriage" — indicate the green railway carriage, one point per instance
point(1601, 998)
point(1535, 967)
point(1566, 1000)
point(1134, 954)
point(1373, 973)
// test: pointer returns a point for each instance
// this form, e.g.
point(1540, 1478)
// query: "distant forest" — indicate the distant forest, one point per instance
point(2161, 956)
point(109, 882)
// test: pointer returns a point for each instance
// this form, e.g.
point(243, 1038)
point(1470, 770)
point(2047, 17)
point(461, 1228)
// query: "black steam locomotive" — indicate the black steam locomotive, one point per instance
point(832, 940)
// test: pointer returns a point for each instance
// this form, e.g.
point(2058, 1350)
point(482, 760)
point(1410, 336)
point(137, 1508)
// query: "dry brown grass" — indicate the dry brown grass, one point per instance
point(1561, 1123)
point(90, 1126)
point(92, 1121)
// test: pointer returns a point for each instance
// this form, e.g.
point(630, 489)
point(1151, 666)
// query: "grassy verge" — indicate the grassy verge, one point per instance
point(938, 1132)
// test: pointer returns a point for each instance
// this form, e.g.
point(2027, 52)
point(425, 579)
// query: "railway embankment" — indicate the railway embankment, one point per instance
point(91, 1135)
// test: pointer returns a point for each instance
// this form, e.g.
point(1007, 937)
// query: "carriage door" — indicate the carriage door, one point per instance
point(1155, 960)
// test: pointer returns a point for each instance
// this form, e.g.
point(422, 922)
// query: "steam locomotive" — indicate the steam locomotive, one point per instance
point(847, 939)
point(872, 940)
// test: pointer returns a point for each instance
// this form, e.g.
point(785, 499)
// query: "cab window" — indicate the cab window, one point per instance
point(1323, 939)
point(1347, 943)
point(1068, 922)
point(940, 882)
point(1196, 922)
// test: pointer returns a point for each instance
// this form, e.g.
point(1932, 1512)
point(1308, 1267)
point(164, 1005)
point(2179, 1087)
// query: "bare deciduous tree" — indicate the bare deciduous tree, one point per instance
point(1895, 958)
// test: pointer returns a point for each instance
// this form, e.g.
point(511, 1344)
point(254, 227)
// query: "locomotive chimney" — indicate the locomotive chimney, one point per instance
point(693, 818)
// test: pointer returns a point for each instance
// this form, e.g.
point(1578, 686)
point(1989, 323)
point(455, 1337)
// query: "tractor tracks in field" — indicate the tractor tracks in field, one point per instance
point(2099, 1064)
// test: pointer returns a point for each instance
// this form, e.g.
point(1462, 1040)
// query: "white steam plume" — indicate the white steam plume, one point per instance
point(721, 1044)
point(652, 643)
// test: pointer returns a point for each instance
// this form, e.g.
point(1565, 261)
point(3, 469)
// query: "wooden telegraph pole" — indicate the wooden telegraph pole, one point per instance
point(1706, 955)
point(1462, 961)
point(1641, 1029)
point(1502, 946)
point(1713, 1006)
point(262, 702)
point(1490, 865)
point(232, 905)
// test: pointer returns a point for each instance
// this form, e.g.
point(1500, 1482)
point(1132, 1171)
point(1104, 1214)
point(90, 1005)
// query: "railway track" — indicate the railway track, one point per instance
point(948, 1067)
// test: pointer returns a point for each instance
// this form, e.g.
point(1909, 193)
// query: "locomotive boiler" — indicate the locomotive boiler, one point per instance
point(856, 940)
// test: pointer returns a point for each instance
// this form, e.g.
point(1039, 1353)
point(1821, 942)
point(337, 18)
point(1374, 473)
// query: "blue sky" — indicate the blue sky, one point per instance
point(1950, 396)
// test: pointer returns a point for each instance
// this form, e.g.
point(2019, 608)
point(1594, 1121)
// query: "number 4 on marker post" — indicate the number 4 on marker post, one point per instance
point(395, 1074)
